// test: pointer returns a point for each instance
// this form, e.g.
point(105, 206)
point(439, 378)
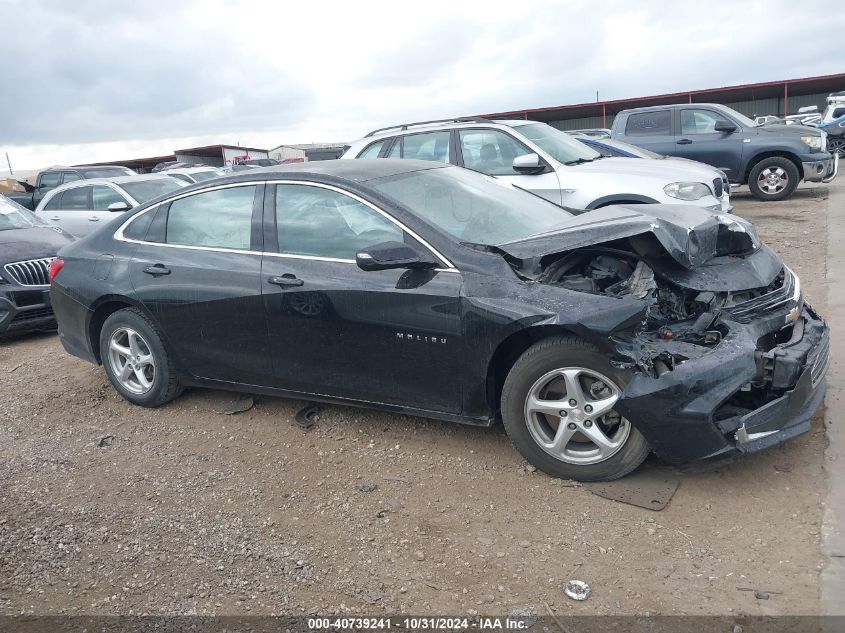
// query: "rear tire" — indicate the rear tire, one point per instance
point(596, 443)
point(773, 178)
point(136, 360)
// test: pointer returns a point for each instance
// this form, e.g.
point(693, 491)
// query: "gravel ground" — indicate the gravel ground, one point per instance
point(188, 511)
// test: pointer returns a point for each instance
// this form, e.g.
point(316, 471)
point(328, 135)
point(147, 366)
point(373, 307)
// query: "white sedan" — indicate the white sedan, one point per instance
point(81, 206)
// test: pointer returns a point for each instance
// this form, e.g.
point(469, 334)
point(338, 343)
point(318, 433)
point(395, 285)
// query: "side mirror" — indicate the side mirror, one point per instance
point(528, 164)
point(118, 207)
point(724, 126)
point(387, 255)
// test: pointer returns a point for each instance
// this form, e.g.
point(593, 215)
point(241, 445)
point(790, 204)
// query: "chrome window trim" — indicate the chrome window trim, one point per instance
point(118, 234)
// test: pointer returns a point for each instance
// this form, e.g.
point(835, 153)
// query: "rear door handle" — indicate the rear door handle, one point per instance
point(684, 141)
point(157, 270)
point(286, 280)
point(55, 218)
point(93, 219)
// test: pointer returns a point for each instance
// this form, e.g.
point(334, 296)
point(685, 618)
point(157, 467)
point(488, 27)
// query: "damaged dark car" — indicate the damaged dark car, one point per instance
point(595, 337)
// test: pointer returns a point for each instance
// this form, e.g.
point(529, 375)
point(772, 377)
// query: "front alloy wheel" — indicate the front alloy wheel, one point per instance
point(570, 414)
point(560, 409)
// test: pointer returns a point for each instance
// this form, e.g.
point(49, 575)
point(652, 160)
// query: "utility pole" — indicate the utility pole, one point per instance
point(11, 173)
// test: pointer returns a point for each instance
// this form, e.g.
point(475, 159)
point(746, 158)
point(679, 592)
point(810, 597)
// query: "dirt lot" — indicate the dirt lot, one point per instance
point(189, 511)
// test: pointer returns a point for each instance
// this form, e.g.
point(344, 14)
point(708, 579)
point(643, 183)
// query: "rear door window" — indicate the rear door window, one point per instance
point(76, 199)
point(654, 123)
point(221, 218)
point(429, 146)
point(70, 176)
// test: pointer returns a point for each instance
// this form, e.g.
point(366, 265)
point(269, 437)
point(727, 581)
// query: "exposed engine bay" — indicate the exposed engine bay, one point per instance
point(679, 322)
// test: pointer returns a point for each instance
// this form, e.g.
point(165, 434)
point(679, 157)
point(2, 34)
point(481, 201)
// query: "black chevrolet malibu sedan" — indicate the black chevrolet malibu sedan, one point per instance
point(596, 337)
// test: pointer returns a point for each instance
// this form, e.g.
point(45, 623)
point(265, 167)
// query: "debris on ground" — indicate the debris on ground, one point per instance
point(105, 440)
point(306, 418)
point(397, 478)
point(786, 467)
point(577, 590)
point(526, 615)
point(244, 403)
point(366, 487)
point(651, 489)
point(760, 594)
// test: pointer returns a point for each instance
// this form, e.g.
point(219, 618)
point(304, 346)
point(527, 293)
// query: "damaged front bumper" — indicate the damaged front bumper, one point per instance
point(758, 387)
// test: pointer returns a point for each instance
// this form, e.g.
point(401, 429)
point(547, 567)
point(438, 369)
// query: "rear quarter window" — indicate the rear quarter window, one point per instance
point(656, 123)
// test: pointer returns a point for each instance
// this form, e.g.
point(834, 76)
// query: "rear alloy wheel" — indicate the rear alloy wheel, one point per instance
point(559, 409)
point(135, 359)
point(773, 178)
point(836, 145)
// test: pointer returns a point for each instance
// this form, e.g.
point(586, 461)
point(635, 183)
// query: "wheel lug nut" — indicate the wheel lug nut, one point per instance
point(573, 402)
point(588, 423)
point(571, 426)
point(588, 408)
point(563, 413)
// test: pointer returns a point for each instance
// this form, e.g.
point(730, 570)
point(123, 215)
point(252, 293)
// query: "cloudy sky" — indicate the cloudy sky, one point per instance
point(94, 80)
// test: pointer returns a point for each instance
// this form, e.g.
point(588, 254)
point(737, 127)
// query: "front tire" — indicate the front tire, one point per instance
point(773, 178)
point(558, 408)
point(136, 360)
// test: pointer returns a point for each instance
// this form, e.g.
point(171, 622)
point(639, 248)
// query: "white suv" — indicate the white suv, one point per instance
point(546, 162)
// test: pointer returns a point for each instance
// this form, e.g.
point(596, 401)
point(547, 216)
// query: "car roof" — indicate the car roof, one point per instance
point(673, 106)
point(115, 180)
point(352, 171)
point(81, 167)
point(185, 170)
point(416, 128)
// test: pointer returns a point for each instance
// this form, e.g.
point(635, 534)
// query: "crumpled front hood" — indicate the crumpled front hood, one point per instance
point(688, 234)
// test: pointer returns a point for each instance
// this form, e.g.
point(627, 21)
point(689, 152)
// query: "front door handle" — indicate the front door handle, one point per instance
point(286, 280)
point(157, 271)
point(55, 218)
point(685, 141)
point(93, 219)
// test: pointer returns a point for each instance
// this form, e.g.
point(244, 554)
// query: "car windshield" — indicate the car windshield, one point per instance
point(559, 145)
point(199, 176)
point(14, 216)
point(470, 206)
point(147, 189)
point(107, 172)
point(744, 120)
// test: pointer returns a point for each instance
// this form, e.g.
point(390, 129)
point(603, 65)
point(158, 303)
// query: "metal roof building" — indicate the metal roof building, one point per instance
point(759, 99)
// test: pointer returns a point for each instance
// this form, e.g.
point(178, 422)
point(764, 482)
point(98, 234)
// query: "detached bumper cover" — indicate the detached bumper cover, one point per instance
point(677, 412)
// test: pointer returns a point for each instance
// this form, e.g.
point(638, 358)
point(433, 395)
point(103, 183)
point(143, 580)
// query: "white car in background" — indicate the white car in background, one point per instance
point(80, 207)
point(544, 161)
point(193, 175)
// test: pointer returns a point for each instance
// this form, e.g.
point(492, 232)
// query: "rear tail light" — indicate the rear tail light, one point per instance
point(55, 266)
